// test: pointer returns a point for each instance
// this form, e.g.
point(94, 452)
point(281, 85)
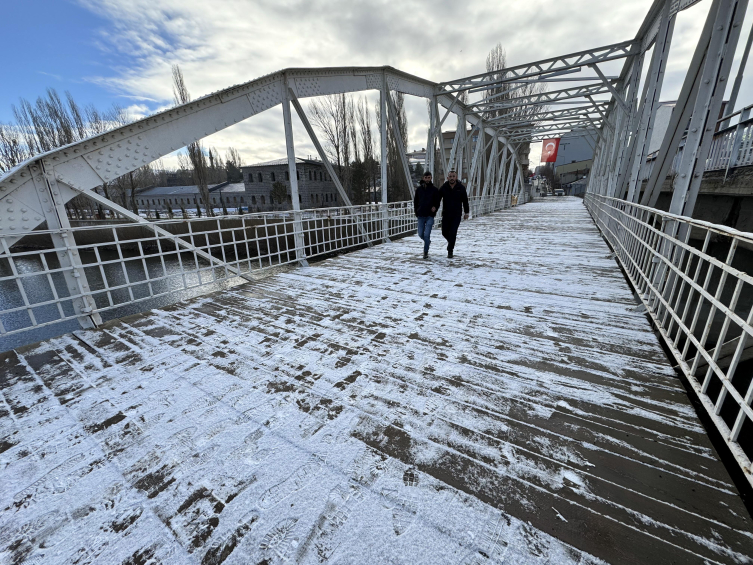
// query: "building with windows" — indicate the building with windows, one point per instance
point(177, 198)
point(263, 182)
point(573, 148)
point(571, 175)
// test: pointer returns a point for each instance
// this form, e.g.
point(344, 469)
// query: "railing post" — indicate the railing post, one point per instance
point(62, 237)
point(300, 244)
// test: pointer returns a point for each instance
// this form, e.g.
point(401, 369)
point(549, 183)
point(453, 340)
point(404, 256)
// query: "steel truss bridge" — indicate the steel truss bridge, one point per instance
point(699, 301)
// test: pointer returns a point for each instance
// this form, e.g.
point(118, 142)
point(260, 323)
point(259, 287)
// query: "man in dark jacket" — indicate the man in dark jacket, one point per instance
point(455, 203)
point(425, 205)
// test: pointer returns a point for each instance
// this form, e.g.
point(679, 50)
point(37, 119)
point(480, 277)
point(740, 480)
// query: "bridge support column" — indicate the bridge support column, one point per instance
point(650, 103)
point(454, 151)
point(327, 164)
point(399, 141)
point(508, 182)
point(500, 176)
point(431, 141)
point(438, 135)
point(461, 144)
point(300, 242)
point(710, 91)
point(489, 176)
point(730, 107)
point(627, 138)
point(698, 103)
point(53, 206)
point(383, 94)
point(473, 175)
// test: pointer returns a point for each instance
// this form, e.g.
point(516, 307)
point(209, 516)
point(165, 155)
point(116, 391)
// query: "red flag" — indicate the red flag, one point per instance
point(549, 150)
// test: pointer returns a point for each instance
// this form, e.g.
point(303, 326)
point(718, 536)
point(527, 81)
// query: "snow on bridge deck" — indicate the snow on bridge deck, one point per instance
point(504, 406)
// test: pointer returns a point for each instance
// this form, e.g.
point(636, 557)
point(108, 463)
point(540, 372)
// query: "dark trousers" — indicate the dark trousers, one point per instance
point(450, 225)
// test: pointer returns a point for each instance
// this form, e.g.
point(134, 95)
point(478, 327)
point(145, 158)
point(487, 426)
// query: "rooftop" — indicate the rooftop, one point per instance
point(229, 187)
point(284, 161)
point(178, 190)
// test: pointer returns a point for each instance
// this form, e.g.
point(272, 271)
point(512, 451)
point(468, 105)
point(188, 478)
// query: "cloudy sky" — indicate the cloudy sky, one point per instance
point(120, 51)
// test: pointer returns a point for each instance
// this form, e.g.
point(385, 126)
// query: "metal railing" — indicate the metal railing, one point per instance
point(691, 277)
point(730, 147)
point(140, 266)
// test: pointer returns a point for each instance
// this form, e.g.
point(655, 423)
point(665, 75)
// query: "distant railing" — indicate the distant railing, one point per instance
point(682, 271)
point(731, 147)
point(133, 267)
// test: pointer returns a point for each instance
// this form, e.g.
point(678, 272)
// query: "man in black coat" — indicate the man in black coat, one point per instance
point(425, 205)
point(455, 203)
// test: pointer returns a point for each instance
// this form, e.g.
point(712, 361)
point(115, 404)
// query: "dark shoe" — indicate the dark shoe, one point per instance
point(449, 254)
point(426, 254)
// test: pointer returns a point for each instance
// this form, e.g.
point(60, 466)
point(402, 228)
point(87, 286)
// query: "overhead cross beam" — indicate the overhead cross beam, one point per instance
point(575, 60)
point(550, 97)
point(550, 115)
point(612, 89)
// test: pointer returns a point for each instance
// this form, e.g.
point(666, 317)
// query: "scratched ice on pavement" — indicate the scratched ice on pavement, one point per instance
point(505, 406)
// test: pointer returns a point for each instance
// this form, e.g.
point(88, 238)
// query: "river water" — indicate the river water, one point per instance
point(154, 282)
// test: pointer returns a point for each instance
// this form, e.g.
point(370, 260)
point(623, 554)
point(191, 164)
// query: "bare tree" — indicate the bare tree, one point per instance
point(13, 150)
point(397, 187)
point(365, 175)
point(233, 164)
point(48, 123)
point(234, 156)
point(279, 194)
point(195, 151)
point(328, 114)
point(526, 116)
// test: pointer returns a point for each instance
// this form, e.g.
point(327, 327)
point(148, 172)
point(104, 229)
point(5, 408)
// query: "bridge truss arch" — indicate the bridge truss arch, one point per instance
point(616, 115)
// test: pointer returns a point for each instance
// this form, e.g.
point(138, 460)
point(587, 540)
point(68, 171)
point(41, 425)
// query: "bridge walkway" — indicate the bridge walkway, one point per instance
point(508, 405)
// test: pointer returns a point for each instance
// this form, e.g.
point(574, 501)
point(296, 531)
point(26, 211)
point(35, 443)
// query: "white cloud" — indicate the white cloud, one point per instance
point(227, 42)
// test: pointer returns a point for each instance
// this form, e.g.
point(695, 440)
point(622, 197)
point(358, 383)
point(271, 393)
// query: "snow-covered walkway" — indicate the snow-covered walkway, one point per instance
point(505, 406)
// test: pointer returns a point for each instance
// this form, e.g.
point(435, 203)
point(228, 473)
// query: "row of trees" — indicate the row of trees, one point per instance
point(352, 146)
point(54, 121)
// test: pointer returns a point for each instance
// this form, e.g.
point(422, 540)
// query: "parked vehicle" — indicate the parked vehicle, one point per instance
point(559, 192)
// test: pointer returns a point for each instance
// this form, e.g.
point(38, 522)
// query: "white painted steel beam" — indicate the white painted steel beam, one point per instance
point(563, 62)
point(188, 246)
point(650, 103)
point(300, 244)
point(327, 165)
point(383, 94)
point(52, 197)
point(730, 108)
point(617, 96)
point(399, 140)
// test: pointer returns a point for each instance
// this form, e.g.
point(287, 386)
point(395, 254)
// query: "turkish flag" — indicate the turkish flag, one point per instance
point(549, 150)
